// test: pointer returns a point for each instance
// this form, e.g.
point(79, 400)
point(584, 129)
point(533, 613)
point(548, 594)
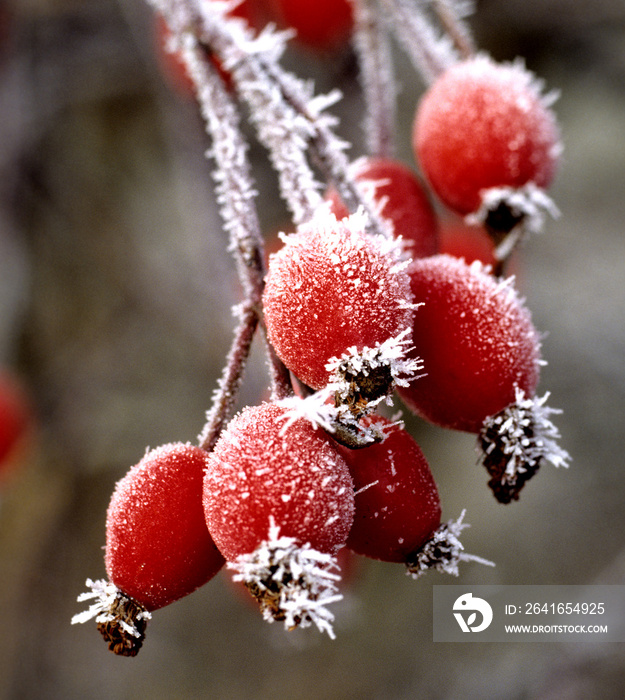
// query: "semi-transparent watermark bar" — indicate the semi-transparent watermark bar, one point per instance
point(529, 613)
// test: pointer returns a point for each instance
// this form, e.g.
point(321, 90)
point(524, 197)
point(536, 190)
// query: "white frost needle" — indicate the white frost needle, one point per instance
point(444, 551)
point(105, 608)
point(293, 583)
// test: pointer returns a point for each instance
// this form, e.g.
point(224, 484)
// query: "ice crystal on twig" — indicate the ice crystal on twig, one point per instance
point(443, 551)
point(322, 410)
point(515, 441)
point(431, 51)
point(121, 620)
point(451, 14)
point(371, 41)
point(293, 583)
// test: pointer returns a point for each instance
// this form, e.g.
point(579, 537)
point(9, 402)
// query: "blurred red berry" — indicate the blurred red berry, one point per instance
point(405, 203)
point(320, 24)
point(15, 417)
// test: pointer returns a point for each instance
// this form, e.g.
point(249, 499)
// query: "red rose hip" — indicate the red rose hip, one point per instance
point(481, 356)
point(477, 342)
point(398, 510)
point(278, 497)
point(320, 24)
point(485, 136)
point(158, 548)
point(333, 292)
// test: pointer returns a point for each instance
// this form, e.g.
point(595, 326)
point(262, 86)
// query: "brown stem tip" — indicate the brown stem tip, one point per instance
point(120, 619)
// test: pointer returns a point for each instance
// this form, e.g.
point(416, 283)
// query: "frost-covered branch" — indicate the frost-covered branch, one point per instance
point(290, 120)
point(451, 14)
point(230, 381)
point(372, 46)
point(430, 51)
point(236, 198)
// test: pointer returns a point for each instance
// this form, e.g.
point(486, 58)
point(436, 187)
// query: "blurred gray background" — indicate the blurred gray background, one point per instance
point(115, 308)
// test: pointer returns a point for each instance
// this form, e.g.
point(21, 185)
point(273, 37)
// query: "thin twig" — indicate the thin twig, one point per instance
point(372, 46)
point(430, 51)
point(226, 393)
point(450, 13)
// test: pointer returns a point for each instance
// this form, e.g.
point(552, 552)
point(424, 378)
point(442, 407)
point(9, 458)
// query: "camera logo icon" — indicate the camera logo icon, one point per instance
point(466, 609)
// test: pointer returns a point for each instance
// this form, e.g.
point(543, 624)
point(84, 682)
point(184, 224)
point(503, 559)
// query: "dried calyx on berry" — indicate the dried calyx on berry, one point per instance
point(443, 551)
point(515, 441)
point(361, 379)
point(292, 583)
point(120, 619)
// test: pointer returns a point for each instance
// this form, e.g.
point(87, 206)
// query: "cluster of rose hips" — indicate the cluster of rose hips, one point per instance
point(357, 316)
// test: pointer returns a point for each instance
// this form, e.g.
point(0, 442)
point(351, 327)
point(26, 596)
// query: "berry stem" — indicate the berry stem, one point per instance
point(291, 122)
point(232, 375)
point(372, 45)
point(450, 14)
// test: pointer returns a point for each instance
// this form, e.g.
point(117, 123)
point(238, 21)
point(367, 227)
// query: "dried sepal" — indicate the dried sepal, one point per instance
point(361, 379)
point(443, 551)
point(292, 583)
point(120, 619)
point(514, 442)
point(509, 214)
point(321, 411)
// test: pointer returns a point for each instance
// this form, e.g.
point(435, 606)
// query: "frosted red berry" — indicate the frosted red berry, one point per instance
point(403, 199)
point(158, 548)
point(397, 502)
point(279, 503)
point(262, 470)
point(320, 24)
point(398, 510)
point(477, 342)
point(485, 125)
point(333, 288)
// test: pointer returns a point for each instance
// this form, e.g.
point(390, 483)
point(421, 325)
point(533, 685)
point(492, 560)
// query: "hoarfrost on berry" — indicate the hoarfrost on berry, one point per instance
point(294, 583)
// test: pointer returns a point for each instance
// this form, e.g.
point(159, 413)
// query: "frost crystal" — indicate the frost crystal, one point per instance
point(321, 410)
point(293, 583)
point(443, 551)
point(121, 620)
point(361, 379)
point(514, 442)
